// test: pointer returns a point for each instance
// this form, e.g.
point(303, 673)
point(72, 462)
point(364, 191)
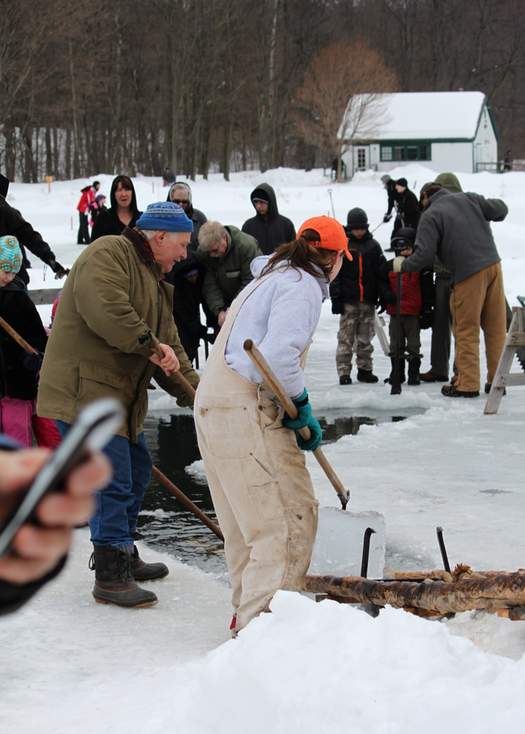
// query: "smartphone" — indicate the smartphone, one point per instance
point(94, 427)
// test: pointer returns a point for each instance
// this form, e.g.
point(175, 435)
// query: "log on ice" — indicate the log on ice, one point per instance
point(477, 591)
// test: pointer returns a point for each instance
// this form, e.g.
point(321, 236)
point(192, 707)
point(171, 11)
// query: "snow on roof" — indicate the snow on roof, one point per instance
point(426, 115)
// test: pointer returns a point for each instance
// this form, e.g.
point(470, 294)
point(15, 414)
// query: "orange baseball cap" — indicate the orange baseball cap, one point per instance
point(331, 233)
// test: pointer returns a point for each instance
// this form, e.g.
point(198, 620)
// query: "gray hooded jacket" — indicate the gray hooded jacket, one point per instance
point(455, 228)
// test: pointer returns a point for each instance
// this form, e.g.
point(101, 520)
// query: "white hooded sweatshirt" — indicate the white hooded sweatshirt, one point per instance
point(280, 317)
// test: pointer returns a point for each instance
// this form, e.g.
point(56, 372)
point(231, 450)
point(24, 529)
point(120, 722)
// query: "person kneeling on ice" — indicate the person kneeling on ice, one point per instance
point(417, 297)
point(355, 293)
point(261, 489)
point(115, 310)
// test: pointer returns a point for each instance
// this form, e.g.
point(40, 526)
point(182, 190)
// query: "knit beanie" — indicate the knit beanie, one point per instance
point(357, 219)
point(450, 182)
point(402, 182)
point(165, 216)
point(260, 195)
point(405, 236)
point(10, 254)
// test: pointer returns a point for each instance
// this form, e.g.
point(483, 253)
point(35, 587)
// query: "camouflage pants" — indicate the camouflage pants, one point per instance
point(356, 331)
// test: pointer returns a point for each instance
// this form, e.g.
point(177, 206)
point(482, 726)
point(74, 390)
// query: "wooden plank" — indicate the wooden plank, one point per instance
point(517, 339)
point(503, 376)
point(515, 378)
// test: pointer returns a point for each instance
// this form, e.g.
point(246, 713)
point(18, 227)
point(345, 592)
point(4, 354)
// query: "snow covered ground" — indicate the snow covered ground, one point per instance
point(73, 665)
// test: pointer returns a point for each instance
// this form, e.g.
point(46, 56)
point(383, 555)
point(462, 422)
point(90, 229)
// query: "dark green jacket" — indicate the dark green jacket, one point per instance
point(113, 300)
point(226, 276)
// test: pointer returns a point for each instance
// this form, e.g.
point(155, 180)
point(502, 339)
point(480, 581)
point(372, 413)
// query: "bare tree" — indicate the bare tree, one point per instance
point(334, 109)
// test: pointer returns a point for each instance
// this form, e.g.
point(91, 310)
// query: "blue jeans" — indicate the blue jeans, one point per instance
point(118, 504)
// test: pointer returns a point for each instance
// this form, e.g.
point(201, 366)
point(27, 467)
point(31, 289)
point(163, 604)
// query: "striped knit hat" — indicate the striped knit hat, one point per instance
point(10, 254)
point(166, 216)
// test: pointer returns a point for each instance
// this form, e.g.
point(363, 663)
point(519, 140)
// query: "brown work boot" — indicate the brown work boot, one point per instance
point(114, 582)
point(143, 571)
point(451, 391)
point(432, 377)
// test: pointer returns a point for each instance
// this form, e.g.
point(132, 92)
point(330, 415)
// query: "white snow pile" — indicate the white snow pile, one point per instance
point(72, 665)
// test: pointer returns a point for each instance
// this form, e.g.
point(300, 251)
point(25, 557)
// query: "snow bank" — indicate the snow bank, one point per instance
point(70, 664)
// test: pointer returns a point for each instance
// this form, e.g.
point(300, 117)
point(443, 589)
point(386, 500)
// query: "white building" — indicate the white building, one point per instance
point(445, 131)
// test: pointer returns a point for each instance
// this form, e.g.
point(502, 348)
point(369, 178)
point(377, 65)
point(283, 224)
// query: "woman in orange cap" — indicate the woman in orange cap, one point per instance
point(261, 490)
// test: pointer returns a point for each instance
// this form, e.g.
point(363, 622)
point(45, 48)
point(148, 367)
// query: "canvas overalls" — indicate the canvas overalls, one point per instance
point(261, 489)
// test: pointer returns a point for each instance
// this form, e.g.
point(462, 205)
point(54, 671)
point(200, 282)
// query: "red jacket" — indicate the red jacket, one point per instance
point(411, 298)
point(86, 200)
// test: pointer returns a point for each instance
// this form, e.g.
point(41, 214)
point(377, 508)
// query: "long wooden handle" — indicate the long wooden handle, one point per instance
point(188, 388)
point(183, 499)
point(288, 405)
point(16, 336)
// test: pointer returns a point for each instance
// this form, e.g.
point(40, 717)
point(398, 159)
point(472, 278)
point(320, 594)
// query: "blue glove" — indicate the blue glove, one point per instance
point(304, 418)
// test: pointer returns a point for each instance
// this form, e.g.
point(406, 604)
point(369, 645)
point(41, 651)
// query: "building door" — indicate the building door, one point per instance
point(362, 158)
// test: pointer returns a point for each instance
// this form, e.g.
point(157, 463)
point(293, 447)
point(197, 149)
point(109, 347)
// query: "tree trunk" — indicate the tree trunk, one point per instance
point(477, 591)
point(74, 113)
point(68, 154)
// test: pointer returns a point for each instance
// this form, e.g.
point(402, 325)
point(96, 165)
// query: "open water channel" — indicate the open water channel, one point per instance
point(164, 523)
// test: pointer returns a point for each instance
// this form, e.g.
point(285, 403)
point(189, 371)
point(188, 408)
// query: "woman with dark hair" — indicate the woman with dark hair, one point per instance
point(261, 489)
point(123, 212)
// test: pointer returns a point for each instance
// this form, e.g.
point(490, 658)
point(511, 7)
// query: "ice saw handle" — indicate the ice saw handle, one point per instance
point(188, 387)
point(287, 404)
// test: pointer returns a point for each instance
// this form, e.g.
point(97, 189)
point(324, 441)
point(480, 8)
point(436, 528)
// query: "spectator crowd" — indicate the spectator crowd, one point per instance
point(153, 284)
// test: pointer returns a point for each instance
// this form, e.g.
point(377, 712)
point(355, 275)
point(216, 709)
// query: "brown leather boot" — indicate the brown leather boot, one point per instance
point(114, 582)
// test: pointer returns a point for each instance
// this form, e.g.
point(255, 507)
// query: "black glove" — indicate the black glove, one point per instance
point(387, 218)
point(33, 361)
point(337, 307)
point(426, 320)
point(59, 270)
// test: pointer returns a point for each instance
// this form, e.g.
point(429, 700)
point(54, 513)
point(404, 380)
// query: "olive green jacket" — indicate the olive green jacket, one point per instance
point(113, 300)
point(226, 276)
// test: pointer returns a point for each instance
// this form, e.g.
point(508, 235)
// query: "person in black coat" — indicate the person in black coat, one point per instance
point(269, 228)
point(123, 212)
point(13, 223)
point(355, 293)
point(187, 277)
point(408, 211)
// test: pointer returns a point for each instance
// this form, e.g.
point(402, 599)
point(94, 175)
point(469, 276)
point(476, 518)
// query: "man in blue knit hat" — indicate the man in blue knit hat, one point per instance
point(113, 323)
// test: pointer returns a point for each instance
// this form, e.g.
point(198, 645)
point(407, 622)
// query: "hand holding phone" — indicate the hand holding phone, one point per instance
point(94, 427)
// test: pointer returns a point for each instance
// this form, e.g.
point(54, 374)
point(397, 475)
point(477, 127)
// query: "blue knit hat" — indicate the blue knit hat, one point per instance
point(166, 216)
point(10, 254)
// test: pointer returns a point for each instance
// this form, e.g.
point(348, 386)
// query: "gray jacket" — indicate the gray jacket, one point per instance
point(455, 228)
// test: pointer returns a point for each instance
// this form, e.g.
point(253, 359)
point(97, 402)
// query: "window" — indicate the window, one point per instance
point(406, 151)
point(361, 159)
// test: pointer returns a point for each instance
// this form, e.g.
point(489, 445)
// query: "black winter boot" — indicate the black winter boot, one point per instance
point(114, 582)
point(413, 371)
point(366, 376)
point(401, 369)
point(143, 571)
point(345, 380)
